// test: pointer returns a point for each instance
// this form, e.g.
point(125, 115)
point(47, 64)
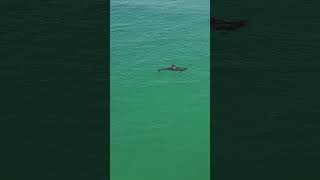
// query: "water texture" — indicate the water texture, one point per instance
point(160, 120)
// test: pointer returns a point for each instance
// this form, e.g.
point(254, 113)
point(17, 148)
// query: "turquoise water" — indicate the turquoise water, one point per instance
point(160, 120)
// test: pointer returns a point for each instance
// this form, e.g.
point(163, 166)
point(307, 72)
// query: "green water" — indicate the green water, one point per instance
point(266, 91)
point(160, 120)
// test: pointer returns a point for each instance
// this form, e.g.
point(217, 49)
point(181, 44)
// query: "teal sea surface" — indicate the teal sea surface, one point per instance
point(160, 121)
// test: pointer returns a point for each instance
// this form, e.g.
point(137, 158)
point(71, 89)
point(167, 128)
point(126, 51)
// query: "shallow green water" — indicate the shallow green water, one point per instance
point(159, 120)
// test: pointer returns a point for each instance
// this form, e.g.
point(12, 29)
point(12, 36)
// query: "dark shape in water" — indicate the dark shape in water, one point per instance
point(173, 68)
point(226, 24)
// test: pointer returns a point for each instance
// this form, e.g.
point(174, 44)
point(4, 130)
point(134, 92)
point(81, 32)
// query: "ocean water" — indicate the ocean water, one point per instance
point(160, 120)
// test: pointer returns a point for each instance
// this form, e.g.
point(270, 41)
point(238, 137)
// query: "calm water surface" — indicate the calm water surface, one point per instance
point(159, 120)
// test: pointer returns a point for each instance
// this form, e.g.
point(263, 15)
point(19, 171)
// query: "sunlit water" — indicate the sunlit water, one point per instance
point(160, 120)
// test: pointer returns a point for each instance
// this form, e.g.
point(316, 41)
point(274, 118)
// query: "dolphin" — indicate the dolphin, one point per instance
point(226, 24)
point(173, 68)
